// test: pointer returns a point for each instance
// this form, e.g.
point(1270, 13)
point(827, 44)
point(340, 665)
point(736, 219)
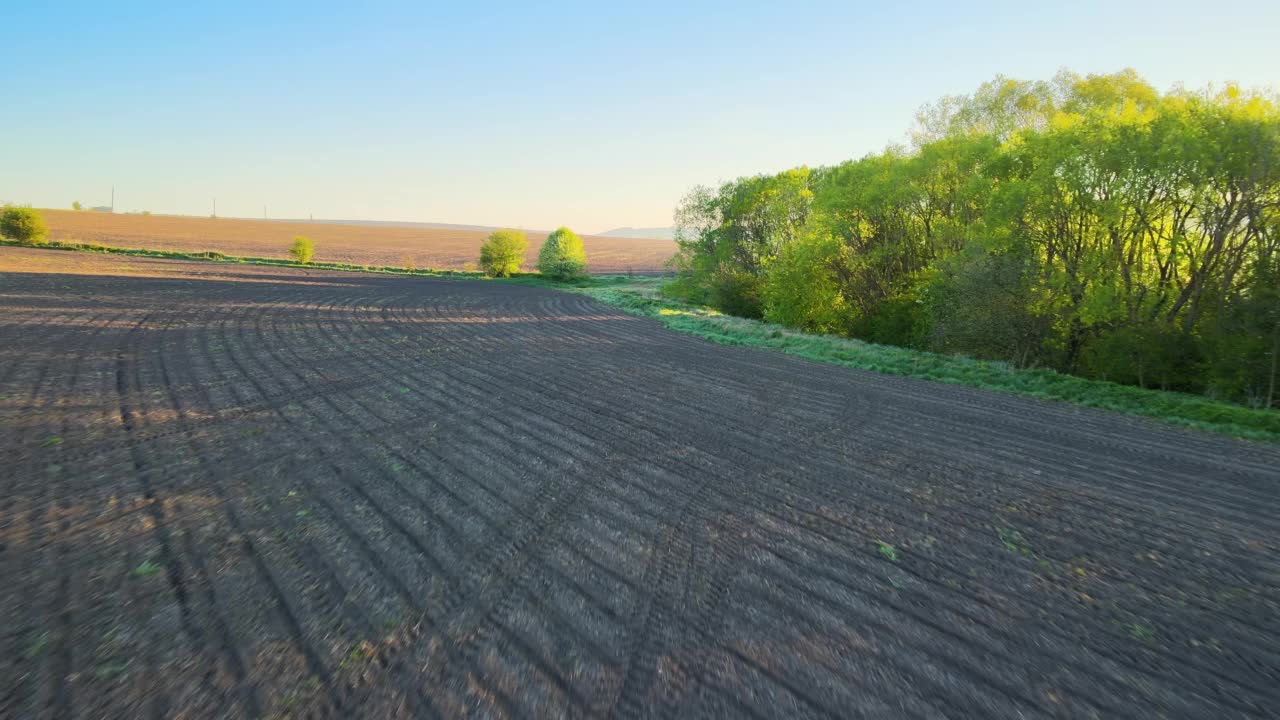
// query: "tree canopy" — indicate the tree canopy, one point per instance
point(503, 252)
point(562, 256)
point(1090, 224)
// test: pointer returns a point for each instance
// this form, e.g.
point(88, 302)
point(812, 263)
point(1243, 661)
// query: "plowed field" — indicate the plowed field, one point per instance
point(231, 491)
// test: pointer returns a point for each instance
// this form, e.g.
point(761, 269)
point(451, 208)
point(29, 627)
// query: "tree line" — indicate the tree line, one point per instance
point(1092, 225)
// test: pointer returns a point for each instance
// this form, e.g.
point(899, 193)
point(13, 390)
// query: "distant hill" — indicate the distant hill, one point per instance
point(657, 233)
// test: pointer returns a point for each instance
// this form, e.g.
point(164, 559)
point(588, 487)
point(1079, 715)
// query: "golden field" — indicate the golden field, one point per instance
point(447, 249)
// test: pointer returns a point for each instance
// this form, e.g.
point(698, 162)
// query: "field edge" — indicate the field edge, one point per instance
point(642, 297)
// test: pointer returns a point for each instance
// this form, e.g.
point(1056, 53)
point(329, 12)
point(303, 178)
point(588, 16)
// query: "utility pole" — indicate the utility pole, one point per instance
point(113, 198)
point(264, 212)
point(215, 209)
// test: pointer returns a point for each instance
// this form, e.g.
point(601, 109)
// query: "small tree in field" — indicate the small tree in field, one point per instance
point(75, 205)
point(562, 256)
point(24, 225)
point(502, 253)
point(302, 249)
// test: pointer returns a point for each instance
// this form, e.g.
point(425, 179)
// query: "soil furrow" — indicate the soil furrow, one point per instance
point(263, 492)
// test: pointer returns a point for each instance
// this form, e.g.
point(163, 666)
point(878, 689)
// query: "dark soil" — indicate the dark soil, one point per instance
point(256, 492)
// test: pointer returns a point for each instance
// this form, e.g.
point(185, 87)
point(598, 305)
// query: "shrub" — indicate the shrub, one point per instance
point(901, 320)
point(24, 225)
point(983, 303)
point(302, 249)
point(75, 205)
point(562, 256)
point(1146, 355)
point(502, 253)
point(737, 293)
point(800, 290)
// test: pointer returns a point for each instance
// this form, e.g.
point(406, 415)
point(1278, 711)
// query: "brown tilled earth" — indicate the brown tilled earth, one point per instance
point(233, 491)
point(363, 245)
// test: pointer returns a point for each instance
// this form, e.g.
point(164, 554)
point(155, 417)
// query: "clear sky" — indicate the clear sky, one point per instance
point(529, 114)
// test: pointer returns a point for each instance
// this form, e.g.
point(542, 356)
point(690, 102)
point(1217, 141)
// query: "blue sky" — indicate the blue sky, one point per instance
point(529, 115)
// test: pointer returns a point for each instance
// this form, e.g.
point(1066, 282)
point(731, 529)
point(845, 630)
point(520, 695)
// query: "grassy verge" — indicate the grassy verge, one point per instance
point(641, 298)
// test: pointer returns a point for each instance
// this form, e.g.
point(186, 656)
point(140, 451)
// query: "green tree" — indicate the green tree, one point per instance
point(503, 252)
point(562, 256)
point(801, 290)
point(75, 205)
point(302, 249)
point(728, 237)
point(23, 224)
point(1088, 223)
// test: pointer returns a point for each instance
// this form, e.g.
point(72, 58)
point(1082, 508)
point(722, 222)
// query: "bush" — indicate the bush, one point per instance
point(901, 320)
point(737, 293)
point(1146, 355)
point(983, 303)
point(502, 253)
point(562, 256)
point(800, 290)
point(1244, 345)
point(24, 225)
point(302, 249)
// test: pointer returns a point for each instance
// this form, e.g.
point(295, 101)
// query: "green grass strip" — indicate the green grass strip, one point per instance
point(641, 298)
